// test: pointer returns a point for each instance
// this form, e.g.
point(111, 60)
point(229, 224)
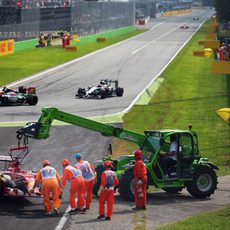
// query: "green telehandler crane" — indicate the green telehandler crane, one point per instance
point(192, 171)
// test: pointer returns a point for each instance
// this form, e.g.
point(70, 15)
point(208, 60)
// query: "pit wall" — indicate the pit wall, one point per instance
point(28, 44)
point(176, 12)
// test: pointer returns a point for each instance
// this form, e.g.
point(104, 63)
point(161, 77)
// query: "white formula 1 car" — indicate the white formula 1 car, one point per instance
point(106, 88)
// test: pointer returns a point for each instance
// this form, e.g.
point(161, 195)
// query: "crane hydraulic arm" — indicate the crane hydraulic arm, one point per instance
point(41, 129)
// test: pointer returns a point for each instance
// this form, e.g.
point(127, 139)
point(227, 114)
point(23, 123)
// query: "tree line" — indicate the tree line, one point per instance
point(222, 10)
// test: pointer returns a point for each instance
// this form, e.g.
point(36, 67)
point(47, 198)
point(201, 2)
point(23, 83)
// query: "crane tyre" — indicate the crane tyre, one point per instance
point(204, 182)
point(99, 170)
point(126, 185)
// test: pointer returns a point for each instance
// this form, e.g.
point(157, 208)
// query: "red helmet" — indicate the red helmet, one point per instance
point(45, 162)
point(107, 163)
point(138, 154)
point(65, 162)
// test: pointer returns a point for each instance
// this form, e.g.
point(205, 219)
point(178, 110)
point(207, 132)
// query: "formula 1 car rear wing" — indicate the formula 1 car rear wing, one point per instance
point(21, 153)
point(15, 156)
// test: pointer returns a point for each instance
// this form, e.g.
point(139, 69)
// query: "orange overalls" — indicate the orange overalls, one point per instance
point(64, 37)
point(222, 54)
point(140, 172)
point(88, 174)
point(76, 186)
point(50, 184)
point(109, 180)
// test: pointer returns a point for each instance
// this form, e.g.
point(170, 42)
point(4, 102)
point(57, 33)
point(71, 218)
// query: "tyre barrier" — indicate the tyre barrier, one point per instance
point(198, 53)
point(101, 39)
point(71, 48)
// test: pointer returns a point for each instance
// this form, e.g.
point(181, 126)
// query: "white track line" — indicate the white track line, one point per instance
point(63, 219)
point(78, 59)
point(149, 43)
point(155, 77)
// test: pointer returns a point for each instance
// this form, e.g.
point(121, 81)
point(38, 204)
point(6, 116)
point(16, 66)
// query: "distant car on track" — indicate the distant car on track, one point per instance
point(22, 95)
point(195, 19)
point(106, 88)
point(184, 27)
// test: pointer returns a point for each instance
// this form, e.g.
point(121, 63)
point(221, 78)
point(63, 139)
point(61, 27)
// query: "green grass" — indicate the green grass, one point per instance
point(27, 62)
point(190, 93)
point(214, 220)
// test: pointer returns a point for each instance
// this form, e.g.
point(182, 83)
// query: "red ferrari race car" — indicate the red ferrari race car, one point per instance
point(184, 27)
point(9, 96)
point(14, 181)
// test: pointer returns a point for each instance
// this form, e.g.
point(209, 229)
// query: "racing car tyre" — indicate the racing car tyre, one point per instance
point(119, 92)
point(1, 189)
point(103, 94)
point(80, 92)
point(32, 99)
point(4, 101)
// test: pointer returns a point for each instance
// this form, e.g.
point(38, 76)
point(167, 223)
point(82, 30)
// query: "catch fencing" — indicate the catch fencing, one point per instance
point(89, 18)
point(19, 24)
point(164, 6)
point(31, 17)
point(80, 17)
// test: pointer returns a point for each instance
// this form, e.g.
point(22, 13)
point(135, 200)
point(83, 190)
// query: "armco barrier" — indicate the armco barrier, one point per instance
point(176, 12)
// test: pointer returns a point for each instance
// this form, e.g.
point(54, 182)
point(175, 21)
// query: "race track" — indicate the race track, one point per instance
point(134, 63)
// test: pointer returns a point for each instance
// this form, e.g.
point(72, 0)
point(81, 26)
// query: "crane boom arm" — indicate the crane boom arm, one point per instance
point(41, 129)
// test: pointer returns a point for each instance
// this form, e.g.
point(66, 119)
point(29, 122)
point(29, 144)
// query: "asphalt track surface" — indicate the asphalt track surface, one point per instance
point(23, 214)
point(134, 63)
point(162, 208)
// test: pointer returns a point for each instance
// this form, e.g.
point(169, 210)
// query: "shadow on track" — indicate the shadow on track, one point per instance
point(24, 208)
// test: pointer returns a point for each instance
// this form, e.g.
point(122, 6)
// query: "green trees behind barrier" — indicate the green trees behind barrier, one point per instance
point(223, 10)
